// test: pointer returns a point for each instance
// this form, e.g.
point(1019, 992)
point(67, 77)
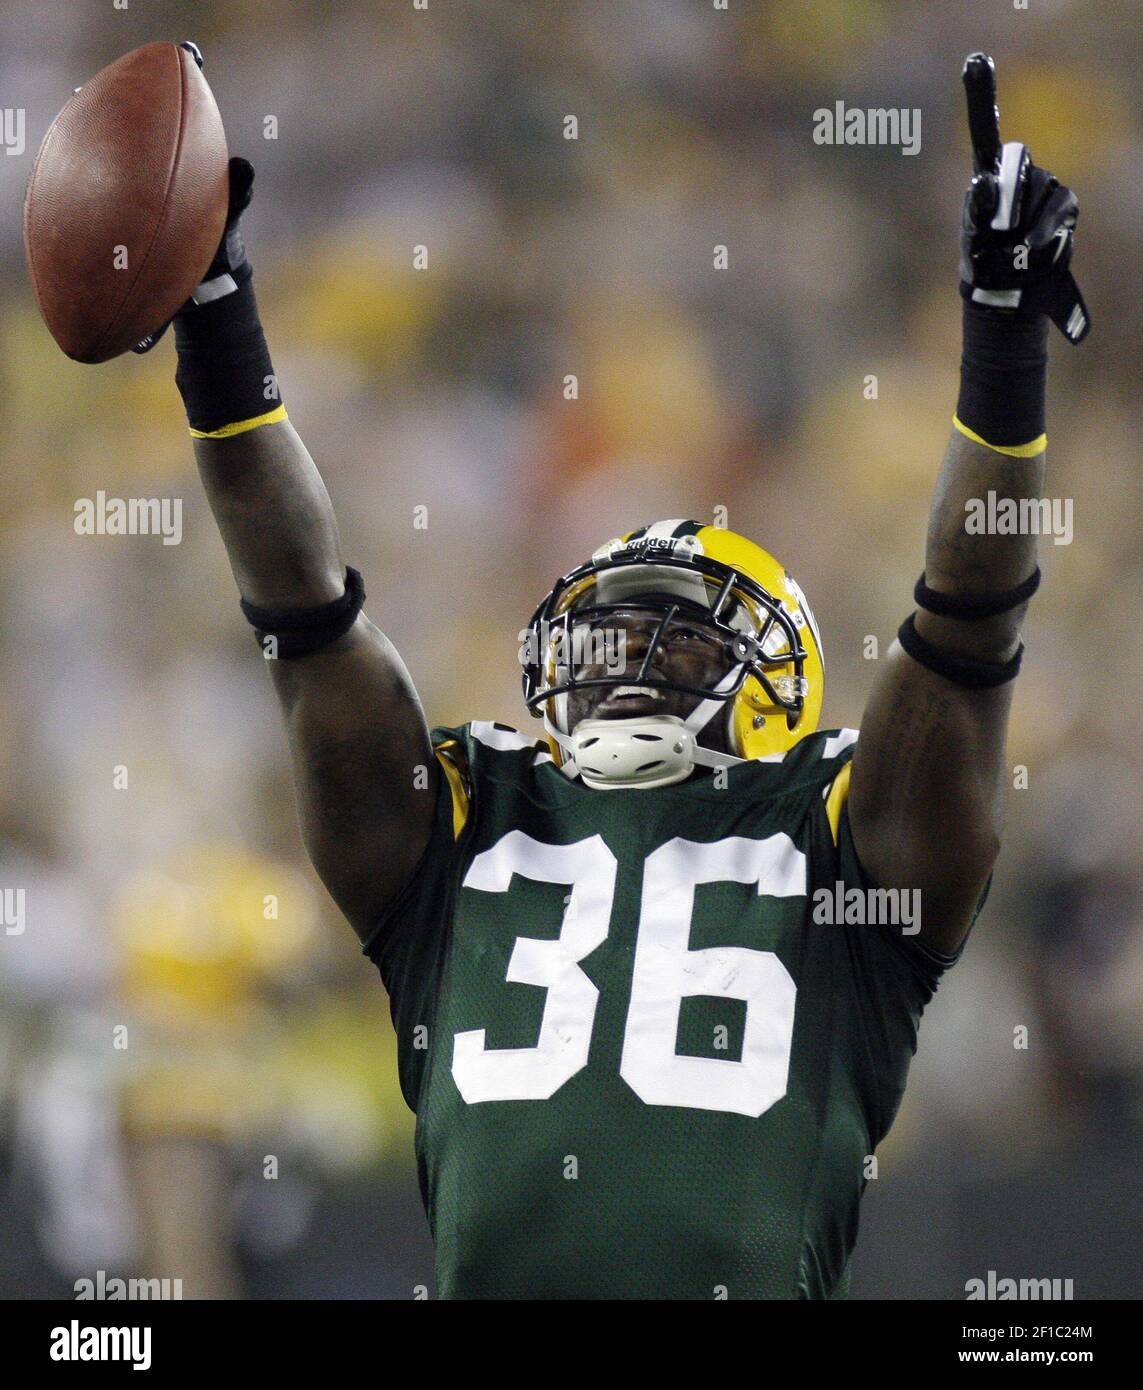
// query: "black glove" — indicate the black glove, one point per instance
point(230, 267)
point(1019, 221)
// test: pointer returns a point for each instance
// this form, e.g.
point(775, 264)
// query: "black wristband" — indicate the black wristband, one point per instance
point(1003, 375)
point(973, 606)
point(224, 374)
point(300, 631)
point(961, 670)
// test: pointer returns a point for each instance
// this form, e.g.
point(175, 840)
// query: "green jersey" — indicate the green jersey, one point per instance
point(648, 1058)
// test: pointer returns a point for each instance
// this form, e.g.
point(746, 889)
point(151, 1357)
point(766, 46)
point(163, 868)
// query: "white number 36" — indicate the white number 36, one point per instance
point(666, 971)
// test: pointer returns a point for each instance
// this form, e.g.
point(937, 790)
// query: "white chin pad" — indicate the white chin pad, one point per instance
point(649, 752)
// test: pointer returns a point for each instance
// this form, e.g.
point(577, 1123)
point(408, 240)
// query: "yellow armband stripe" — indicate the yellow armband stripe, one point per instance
point(271, 417)
point(1015, 451)
point(456, 787)
point(838, 794)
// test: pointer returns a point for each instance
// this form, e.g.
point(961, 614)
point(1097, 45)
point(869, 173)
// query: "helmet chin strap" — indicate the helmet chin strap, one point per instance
point(646, 751)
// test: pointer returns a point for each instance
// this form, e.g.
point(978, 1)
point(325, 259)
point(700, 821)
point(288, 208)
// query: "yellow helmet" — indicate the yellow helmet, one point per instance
point(771, 695)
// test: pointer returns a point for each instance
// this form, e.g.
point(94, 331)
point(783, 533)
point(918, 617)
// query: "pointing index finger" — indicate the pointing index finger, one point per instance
point(979, 77)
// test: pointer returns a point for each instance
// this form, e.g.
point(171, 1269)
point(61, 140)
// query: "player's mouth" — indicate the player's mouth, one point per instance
point(629, 702)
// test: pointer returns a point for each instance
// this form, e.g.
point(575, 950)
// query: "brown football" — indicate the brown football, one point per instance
point(127, 202)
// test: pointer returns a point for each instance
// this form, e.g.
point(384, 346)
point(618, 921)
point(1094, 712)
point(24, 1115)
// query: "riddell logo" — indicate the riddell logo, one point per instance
point(651, 543)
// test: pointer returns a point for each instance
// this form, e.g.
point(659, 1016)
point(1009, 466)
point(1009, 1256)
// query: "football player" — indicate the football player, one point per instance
point(654, 985)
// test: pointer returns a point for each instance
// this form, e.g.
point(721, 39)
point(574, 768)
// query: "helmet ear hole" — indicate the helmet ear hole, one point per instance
point(757, 730)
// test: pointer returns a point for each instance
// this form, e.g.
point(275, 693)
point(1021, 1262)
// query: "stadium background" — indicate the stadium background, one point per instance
point(699, 389)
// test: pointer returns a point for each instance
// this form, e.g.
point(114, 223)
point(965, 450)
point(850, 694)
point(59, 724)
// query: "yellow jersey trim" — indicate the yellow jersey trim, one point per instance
point(456, 787)
point(1014, 451)
point(838, 795)
point(272, 417)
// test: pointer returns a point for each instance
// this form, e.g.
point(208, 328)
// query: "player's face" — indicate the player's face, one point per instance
point(688, 654)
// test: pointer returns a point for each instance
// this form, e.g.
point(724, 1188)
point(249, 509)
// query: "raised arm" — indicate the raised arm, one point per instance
point(929, 773)
point(356, 730)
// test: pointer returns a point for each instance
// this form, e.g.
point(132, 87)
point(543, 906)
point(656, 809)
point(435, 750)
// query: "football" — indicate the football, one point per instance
point(127, 202)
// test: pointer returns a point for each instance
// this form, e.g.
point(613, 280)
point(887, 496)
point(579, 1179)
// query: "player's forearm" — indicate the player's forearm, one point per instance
point(995, 458)
point(267, 495)
point(1017, 232)
point(961, 559)
point(275, 517)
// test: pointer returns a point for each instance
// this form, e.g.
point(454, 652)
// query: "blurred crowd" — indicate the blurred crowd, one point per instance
point(184, 1005)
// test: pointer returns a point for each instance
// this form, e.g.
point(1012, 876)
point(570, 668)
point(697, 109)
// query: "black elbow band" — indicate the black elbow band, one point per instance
point(286, 633)
point(974, 606)
point(961, 670)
